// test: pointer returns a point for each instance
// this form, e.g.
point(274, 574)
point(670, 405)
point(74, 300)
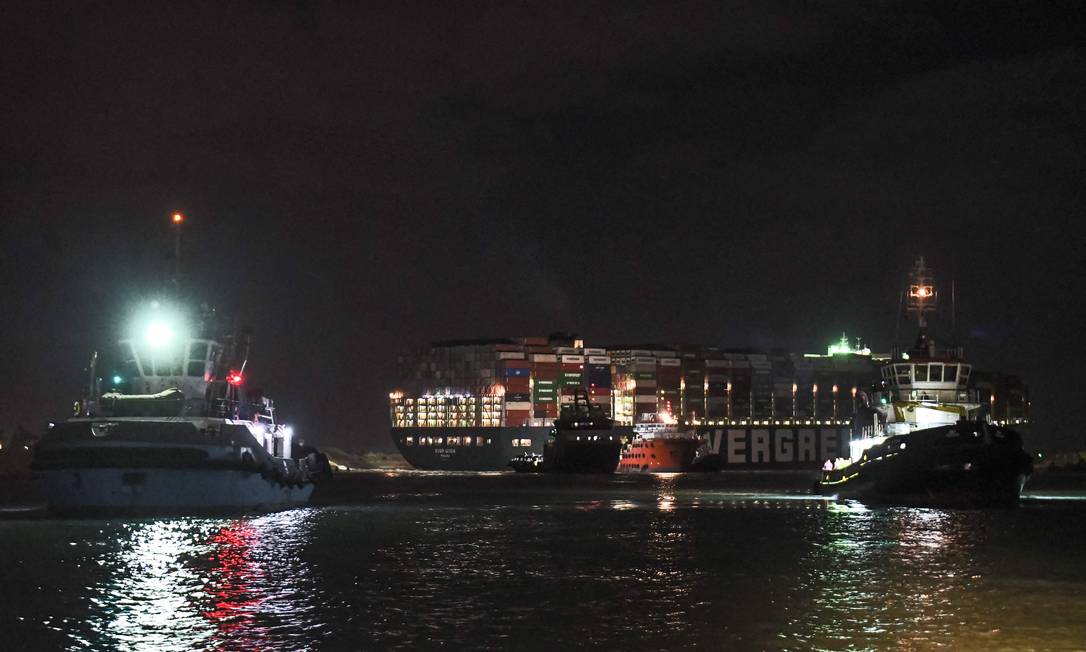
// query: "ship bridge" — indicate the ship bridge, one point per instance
point(943, 380)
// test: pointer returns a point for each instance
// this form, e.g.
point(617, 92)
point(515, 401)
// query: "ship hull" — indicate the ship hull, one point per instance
point(102, 491)
point(428, 449)
point(933, 469)
point(752, 447)
point(769, 447)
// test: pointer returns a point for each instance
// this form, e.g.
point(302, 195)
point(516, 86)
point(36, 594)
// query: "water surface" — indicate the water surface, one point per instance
point(484, 561)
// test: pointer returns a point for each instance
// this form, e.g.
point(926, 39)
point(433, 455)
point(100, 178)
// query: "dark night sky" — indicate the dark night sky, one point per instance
point(360, 181)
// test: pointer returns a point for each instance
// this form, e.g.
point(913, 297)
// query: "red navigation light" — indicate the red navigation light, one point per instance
point(178, 218)
point(234, 378)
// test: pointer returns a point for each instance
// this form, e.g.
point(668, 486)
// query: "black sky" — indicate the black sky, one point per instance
point(362, 180)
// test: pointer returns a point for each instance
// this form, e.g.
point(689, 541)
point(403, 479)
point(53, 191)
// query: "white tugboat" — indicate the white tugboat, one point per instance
point(176, 433)
point(925, 440)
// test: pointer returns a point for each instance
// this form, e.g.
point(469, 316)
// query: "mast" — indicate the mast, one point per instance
point(921, 297)
point(177, 220)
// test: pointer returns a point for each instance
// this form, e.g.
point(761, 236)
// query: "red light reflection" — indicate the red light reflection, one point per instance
point(235, 586)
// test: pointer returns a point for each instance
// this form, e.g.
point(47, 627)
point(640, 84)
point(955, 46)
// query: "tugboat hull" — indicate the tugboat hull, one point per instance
point(131, 491)
point(581, 456)
point(940, 467)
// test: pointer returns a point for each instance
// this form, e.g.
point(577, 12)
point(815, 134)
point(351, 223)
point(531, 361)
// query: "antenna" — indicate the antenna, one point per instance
point(900, 307)
point(953, 311)
point(177, 219)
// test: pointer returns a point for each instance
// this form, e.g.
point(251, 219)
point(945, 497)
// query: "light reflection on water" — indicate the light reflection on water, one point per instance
point(648, 564)
point(203, 583)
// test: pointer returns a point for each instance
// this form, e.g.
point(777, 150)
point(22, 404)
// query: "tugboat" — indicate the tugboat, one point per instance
point(659, 446)
point(527, 463)
point(177, 431)
point(924, 441)
point(583, 440)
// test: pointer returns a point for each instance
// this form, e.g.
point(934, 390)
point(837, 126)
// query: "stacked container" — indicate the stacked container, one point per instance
point(598, 379)
point(545, 386)
point(642, 373)
point(717, 379)
point(693, 386)
point(571, 376)
point(668, 383)
point(761, 385)
point(515, 375)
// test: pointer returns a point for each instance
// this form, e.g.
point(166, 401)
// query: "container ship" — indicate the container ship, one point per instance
point(473, 405)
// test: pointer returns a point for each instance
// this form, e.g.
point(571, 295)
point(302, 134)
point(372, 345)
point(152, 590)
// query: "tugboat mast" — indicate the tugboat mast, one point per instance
point(178, 219)
point(921, 298)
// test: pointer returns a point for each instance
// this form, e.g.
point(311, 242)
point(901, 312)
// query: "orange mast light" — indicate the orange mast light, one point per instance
point(178, 218)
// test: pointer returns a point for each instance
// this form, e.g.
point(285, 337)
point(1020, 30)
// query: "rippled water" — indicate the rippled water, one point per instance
point(462, 561)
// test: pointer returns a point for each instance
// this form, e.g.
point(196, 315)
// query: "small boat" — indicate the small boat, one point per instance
point(924, 439)
point(527, 463)
point(659, 445)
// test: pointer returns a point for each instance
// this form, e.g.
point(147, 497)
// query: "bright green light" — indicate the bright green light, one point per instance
point(883, 400)
point(842, 347)
point(117, 380)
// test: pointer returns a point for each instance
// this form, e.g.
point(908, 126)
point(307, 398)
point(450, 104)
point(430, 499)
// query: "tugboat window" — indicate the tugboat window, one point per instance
point(950, 373)
point(921, 372)
point(936, 373)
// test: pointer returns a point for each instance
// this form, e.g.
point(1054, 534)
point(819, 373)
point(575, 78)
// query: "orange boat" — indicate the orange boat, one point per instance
point(659, 446)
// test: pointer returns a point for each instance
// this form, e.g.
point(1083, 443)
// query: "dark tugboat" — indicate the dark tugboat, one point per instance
point(924, 441)
point(583, 440)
